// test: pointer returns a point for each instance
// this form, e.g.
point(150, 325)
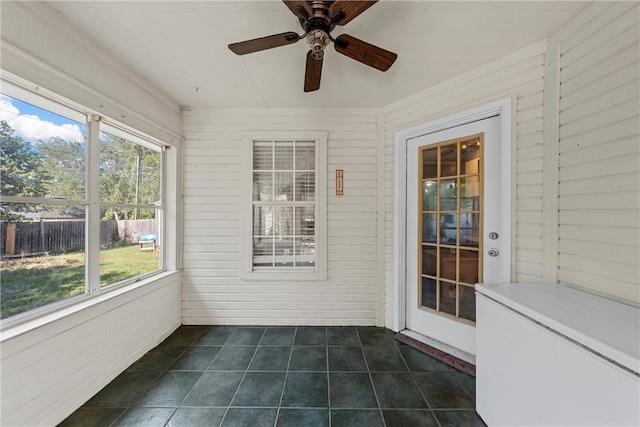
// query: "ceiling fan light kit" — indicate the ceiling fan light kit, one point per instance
point(318, 19)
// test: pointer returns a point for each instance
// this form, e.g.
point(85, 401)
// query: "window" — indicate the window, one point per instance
point(60, 207)
point(287, 208)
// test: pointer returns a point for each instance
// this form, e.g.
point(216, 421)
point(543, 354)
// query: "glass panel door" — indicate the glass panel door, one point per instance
point(450, 212)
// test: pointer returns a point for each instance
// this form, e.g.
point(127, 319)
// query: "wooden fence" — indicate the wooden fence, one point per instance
point(25, 238)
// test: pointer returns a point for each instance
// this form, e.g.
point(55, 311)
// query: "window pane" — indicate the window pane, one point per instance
point(283, 221)
point(283, 186)
point(305, 221)
point(263, 251)
point(262, 155)
point(305, 156)
point(283, 155)
point(305, 186)
point(42, 154)
point(283, 251)
point(448, 195)
point(305, 251)
point(129, 248)
point(42, 256)
point(129, 172)
point(262, 220)
point(262, 186)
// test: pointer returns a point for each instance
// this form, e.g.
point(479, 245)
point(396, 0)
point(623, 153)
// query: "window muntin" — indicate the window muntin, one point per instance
point(45, 200)
point(284, 204)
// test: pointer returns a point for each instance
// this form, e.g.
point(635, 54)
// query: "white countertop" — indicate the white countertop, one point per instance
point(602, 325)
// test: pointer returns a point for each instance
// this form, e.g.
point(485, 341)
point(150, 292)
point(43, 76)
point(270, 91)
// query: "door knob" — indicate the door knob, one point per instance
point(493, 252)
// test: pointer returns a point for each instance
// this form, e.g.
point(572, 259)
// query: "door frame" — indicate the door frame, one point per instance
point(501, 108)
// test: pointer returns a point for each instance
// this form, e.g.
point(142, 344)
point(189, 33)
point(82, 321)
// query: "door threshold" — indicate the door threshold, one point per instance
point(452, 356)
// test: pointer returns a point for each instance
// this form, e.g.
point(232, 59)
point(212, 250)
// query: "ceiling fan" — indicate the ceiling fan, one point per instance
point(318, 18)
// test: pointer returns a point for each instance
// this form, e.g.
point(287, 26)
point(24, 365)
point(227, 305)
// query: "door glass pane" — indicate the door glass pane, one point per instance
point(448, 229)
point(448, 298)
point(469, 266)
point(429, 260)
point(429, 228)
point(449, 160)
point(469, 229)
point(470, 193)
point(448, 195)
point(448, 263)
point(470, 158)
point(467, 303)
point(430, 163)
point(429, 196)
point(428, 293)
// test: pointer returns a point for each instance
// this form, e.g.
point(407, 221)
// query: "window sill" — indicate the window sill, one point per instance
point(75, 305)
point(281, 275)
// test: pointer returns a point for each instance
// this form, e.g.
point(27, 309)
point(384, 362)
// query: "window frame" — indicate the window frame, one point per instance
point(319, 270)
point(22, 90)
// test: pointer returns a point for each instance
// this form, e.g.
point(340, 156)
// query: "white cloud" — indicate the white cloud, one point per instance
point(33, 128)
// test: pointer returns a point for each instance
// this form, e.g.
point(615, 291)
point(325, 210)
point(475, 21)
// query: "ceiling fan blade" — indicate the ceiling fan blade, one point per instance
point(263, 43)
point(294, 4)
point(351, 9)
point(364, 52)
point(312, 74)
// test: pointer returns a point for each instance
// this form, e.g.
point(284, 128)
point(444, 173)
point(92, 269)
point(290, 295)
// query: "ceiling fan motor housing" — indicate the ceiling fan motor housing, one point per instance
point(317, 40)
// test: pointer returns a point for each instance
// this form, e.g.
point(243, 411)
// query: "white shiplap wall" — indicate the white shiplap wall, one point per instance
point(520, 76)
point(599, 147)
point(212, 291)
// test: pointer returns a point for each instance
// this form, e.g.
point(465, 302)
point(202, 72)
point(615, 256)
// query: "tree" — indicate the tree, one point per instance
point(67, 159)
point(21, 171)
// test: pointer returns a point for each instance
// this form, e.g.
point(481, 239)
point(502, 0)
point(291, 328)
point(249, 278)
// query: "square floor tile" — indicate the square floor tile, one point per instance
point(147, 417)
point(197, 417)
point(233, 358)
point(346, 359)
point(84, 417)
point(245, 417)
point(370, 336)
point(443, 390)
point(397, 390)
point(195, 358)
point(122, 391)
point(305, 389)
point(351, 390)
point(356, 418)
point(169, 390)
point(459, 418)
point(343, 335)
point(260, 389)
point(411, 417)
point(158, 359)
point(215, 335)
point(384, 359)
point(306, 358)
point(246, 336)
point(468, 382)
point(278, 336)
point(270, 359)
point(303, 418)
point(417, 361)
point(311, 335)
point(214, 389)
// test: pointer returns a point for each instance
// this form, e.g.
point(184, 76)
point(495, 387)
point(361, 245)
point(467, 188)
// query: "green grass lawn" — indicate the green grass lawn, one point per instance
point(33, 282)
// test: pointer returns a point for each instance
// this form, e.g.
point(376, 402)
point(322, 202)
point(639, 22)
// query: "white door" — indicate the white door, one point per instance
point(453, 224)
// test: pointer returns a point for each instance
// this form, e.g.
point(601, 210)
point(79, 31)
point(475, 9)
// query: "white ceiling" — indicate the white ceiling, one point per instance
point(181, 47)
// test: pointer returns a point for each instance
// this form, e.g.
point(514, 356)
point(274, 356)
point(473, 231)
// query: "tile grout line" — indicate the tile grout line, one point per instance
point(326, 355)
point(373, 386)
point(286, 375)
point(243, 375)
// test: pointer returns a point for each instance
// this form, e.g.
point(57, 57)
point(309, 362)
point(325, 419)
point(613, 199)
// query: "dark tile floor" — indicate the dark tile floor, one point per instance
point(283, 376)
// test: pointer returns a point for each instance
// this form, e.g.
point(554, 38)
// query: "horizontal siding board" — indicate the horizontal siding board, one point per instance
point(599, 216)
point(611, 234)
point(607, 286)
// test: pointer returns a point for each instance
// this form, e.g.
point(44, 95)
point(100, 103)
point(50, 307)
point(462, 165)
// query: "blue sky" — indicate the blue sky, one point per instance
point(33, 123)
